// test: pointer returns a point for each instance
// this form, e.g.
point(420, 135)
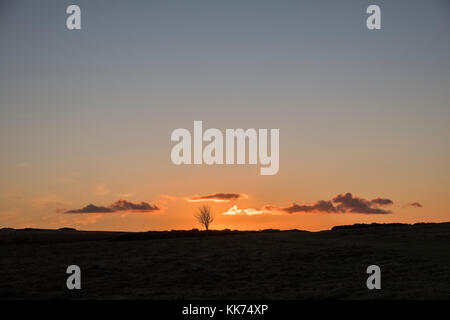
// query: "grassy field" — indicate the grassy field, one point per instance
point(414, 260)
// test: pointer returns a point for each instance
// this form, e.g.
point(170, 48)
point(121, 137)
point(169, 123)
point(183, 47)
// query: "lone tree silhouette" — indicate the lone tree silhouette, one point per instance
point(204, 216)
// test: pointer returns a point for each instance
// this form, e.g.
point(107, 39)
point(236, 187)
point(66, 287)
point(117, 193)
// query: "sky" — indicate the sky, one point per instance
point(86, 115)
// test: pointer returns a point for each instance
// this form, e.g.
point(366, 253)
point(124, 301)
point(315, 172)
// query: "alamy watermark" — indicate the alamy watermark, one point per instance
point(229, 150)
point(74, 280)
point(374, 280)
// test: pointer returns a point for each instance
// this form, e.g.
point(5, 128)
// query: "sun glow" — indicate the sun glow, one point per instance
point(235, 211)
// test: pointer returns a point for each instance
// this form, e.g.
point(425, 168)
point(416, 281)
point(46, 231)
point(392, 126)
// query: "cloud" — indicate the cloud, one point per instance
point(91, 209)
point(319, 206)
point(120, 205)
point(126, 195)
point(101, 189)
point(72, 177)
point(218, 197)
point(382, 201)
point(415, 204)
point(353, 204)
point(168, 197)
point(13, 195)
point(235, 211)
point(123, 205)
point(47, 201)
point(342, 203)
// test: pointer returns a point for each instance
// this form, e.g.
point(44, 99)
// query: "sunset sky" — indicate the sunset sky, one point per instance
point(86, 115)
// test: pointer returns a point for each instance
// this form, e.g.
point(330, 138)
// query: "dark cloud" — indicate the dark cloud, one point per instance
point(382, 201)
point(353, 204)
point(123, 205)
point(342, 203)
point(415, 204)
point(319, 206)
point(120, 205)
point(218, 197)
point(90, 209)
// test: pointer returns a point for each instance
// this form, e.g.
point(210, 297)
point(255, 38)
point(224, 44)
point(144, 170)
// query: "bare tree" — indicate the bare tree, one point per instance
point(204, 216)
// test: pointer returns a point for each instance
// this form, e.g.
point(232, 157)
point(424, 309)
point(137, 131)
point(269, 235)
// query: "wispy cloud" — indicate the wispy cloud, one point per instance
point(126, 195)
point(47, 201)
point(13, 195)
point(218, 197)
point(101, 189)
point(168, 197)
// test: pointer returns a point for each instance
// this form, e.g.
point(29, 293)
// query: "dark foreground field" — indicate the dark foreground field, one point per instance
point(414, 261)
